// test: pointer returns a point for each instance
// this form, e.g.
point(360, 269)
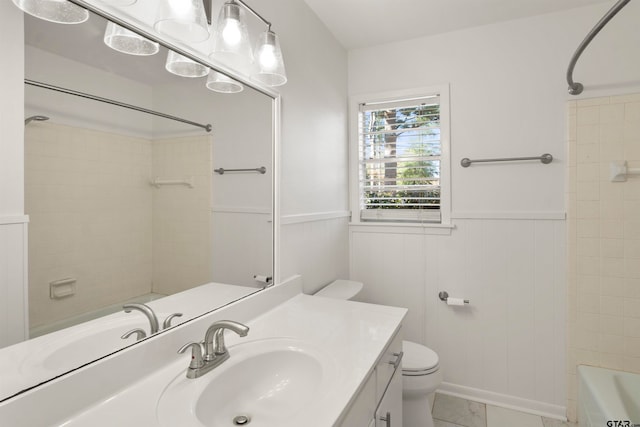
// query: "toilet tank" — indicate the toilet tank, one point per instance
point(341, 289)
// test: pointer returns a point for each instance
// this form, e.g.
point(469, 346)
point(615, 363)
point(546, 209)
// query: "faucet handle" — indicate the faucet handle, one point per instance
point(196, 354)
point(137, 331)
point(167, 322)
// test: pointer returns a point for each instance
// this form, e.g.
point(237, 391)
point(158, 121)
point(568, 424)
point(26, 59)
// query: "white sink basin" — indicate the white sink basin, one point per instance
point(73, 347)
point(270, 382)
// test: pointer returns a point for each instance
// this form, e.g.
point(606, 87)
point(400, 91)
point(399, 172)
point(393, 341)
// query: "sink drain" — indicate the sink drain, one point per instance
point(241, 420)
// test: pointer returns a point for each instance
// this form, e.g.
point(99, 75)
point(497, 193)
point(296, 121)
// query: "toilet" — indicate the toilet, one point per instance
point(421, 373)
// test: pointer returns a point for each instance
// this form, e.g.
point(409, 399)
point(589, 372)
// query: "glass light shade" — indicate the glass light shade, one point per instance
point(231, 41)
point(218, 82)
point(184, 20)
point(125, 41)
point(269, 63)
point(184, 67)
point(58, 11)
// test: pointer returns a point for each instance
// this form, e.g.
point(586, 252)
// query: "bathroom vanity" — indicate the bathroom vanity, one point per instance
point(379, 402)
point(306, 360)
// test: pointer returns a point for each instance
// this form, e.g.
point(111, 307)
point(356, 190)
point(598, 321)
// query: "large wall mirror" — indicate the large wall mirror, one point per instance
point(133, 198)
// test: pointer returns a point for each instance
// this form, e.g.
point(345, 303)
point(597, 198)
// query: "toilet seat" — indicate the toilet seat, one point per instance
point(418, 360)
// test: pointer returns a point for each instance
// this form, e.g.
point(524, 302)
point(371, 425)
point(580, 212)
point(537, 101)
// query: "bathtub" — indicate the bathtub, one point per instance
point(608, 398)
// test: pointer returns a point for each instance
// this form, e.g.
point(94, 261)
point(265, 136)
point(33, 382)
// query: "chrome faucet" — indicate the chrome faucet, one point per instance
point(215, 351)
point(167, 322)
point(147, 311)
point(138, 332)
point(153, 320)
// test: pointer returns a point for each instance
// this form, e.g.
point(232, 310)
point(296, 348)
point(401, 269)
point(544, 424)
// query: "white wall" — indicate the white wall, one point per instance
point(13, 227)
point(506, 253)
point(507, 96)
point(11, 76)
point(314, 170)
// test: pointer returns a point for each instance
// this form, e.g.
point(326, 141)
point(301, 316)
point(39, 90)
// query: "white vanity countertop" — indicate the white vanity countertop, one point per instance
point(353, 334)
point(31, 362)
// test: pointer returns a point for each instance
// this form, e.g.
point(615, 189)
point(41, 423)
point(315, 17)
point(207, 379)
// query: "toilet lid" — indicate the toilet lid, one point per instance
point(341, 289)
point(418, 359)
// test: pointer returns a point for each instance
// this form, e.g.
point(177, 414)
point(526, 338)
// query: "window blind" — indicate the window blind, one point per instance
point(399, 160)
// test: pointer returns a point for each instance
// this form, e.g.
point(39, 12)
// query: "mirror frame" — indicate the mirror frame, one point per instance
point(275, 96)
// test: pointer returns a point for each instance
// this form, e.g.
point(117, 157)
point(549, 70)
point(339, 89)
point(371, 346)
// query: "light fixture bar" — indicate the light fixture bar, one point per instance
point(207, 10)
point(164, 43)
point(256, 14)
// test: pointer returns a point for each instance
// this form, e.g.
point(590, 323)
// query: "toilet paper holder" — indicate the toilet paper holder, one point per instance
point(444, 296)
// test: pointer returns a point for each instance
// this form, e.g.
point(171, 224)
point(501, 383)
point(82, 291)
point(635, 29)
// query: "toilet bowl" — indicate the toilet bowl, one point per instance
point(421, 374)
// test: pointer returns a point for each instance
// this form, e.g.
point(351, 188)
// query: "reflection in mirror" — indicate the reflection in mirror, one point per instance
point(124, 204)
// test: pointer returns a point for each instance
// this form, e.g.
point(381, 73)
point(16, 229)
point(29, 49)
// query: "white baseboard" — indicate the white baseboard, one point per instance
point(505, 401)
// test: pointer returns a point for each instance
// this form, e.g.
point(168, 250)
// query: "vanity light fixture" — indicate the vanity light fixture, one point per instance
point(183, 20)
point(270, 65)
point(125, 41)
point(184, 67)
point(219, 82)
point(266, 64)
point(58, 11)
point(231, 38)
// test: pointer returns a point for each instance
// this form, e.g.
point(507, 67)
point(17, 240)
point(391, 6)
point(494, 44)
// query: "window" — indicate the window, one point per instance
point(402, 158)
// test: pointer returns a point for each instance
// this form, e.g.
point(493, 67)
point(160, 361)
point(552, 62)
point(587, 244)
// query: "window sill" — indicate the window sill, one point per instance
point(401, 228)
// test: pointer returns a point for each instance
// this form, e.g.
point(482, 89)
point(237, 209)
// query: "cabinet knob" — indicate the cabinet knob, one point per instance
point(387, 418)
point(396, 363)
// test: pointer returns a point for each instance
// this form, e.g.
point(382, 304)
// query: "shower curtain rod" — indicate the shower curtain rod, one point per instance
point(576, 88)
point(206, 127)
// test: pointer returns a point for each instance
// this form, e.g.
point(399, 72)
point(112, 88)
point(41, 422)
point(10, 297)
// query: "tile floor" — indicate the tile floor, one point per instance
point(450, 411)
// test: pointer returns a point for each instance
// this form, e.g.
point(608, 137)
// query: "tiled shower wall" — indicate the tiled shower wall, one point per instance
point(95, 217)
point(603, 238)
point(182, 241)
point(88, 198)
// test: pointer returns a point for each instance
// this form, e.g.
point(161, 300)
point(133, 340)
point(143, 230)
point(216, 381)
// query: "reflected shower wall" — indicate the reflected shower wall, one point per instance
point(182, 236)
point(95, 218)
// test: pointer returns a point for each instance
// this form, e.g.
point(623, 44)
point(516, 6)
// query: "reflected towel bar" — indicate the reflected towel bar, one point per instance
point(545, 158)
point(158, 182)
point(261, 170)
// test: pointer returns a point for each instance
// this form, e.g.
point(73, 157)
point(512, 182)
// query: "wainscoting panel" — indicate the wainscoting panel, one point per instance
point(510, 340)
point(316, 248)
point(13, 280)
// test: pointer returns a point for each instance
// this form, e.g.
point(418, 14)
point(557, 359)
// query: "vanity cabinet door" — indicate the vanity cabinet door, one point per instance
point(363, 407)
point(382, 390)
point(389, 412)
point(390, 361)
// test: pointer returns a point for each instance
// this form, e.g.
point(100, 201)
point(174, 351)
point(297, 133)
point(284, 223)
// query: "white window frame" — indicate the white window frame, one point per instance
point(445, 159)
